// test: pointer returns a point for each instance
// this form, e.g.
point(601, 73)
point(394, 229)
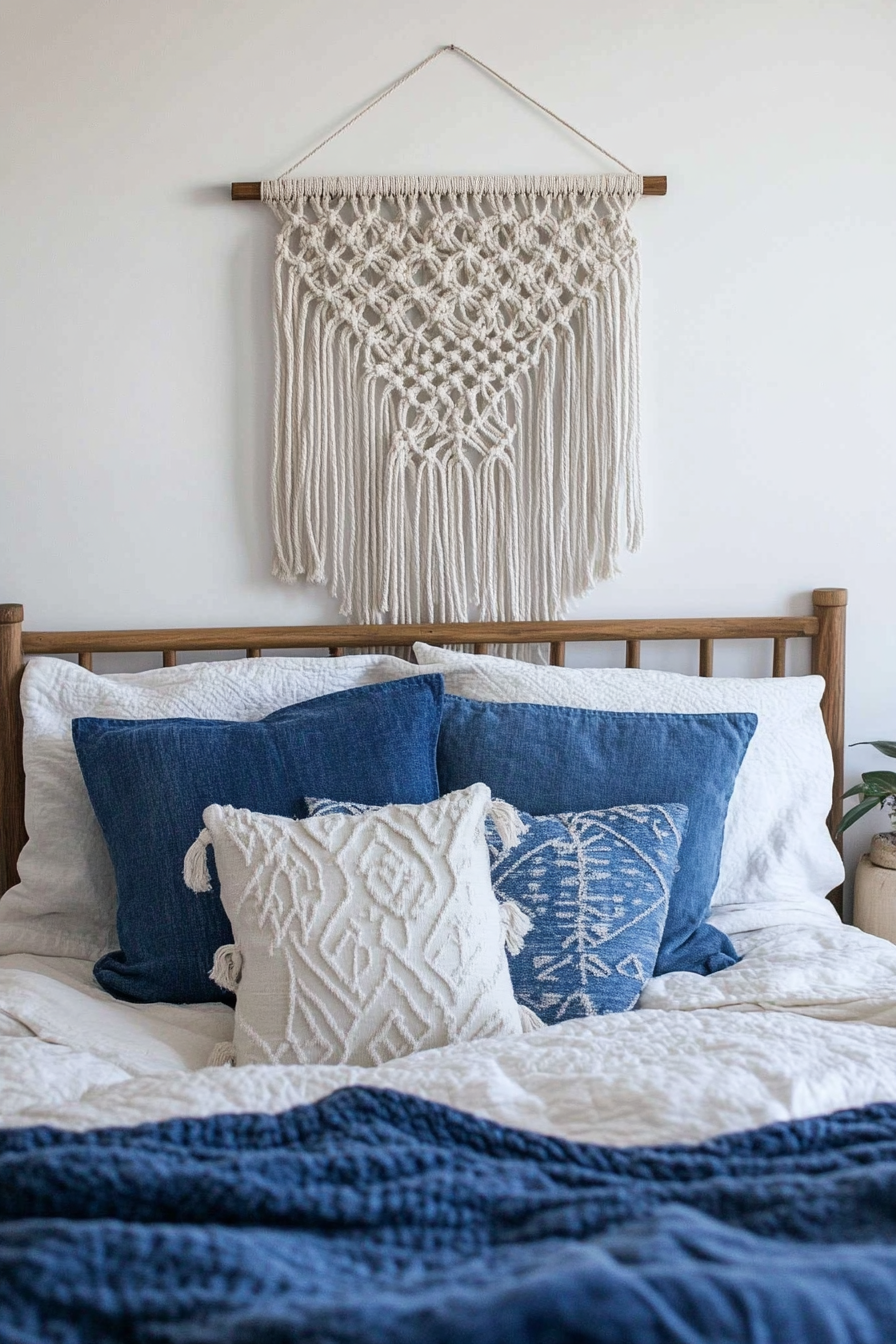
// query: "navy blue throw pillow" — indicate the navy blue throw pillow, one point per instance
point(150, 780)
point(548, 759)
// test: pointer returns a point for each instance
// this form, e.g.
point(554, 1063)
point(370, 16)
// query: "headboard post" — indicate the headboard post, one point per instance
point(829, 661)
point(12, 774)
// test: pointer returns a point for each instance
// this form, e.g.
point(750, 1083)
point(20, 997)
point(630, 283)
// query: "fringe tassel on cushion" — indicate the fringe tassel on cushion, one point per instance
point(224, 1053)
point(196, 874)
point(516, 924)
point(507, 822)
point(456, 392)
point(227, 967)
point(529, 1021)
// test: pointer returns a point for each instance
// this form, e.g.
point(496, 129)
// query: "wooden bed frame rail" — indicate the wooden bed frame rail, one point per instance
point(826, 628)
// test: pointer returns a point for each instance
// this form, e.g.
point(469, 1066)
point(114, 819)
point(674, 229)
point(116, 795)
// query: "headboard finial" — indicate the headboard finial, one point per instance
point(11, 613)
point(830, 597)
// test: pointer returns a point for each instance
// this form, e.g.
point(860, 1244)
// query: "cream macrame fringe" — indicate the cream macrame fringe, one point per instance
point(456, 406)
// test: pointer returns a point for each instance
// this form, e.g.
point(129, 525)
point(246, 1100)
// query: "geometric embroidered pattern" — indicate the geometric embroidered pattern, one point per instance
point(362, 938)
point(595, 886)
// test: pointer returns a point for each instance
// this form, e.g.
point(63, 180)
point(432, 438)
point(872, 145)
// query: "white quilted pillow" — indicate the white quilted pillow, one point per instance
point(361, 938)
point(64, 904)
point(778, 860)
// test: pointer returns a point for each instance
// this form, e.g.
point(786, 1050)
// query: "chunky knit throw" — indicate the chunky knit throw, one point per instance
point(374, 1218)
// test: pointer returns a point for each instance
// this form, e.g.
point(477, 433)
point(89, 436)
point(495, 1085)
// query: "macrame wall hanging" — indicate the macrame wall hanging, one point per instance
point(456, 412)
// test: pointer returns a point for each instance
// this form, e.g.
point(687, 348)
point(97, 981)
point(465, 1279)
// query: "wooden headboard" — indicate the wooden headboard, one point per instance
point(825, 627)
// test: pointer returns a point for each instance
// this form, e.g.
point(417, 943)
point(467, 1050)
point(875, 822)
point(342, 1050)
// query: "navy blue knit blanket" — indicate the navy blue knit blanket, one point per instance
point(376, 1217)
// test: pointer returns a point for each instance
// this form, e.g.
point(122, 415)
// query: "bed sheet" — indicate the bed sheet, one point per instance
point(803, 1025)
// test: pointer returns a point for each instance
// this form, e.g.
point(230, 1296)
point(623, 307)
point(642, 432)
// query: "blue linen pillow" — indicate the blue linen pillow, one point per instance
point(150, 780)
point(596, 887)
point(550, 759)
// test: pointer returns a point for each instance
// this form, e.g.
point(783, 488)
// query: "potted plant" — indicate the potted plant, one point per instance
point(877, 789)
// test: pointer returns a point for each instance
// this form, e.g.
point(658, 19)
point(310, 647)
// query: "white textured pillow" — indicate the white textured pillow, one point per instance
point(64, 904)
point(777, 849)
point(359, 938)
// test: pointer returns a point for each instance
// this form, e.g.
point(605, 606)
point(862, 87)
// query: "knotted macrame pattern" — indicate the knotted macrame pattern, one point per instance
point(456, 415)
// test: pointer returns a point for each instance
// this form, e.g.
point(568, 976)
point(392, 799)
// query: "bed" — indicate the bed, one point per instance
point(800, 1028)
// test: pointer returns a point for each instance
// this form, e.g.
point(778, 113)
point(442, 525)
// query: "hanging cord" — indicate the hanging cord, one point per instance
point(475, 61)
point(541, 107)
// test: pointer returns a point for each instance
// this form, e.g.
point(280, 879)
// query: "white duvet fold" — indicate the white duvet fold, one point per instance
point(58, 1000)
point(829, 971)
point(803, 1025)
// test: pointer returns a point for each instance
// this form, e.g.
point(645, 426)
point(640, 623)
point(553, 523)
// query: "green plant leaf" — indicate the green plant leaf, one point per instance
point(880, 780)
point(870, 789)
point(856, 789)
point(886, 748)
point(855, 812)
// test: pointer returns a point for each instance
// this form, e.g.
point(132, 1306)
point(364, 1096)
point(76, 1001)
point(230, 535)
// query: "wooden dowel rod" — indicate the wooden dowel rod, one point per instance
point(779, 658)
point(480, 648)
point(336, 650)
point(253, 653)
point(169, 658)
point(558, 655)
point(633, 653)
point(85, 660)
point(251, 191)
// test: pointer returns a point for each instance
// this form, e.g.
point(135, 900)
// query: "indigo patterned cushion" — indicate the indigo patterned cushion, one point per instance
point(550, 759)
point(596, 887)
point(150, 780)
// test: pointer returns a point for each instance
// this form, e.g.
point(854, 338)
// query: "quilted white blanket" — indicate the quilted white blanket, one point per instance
point(803, 1025)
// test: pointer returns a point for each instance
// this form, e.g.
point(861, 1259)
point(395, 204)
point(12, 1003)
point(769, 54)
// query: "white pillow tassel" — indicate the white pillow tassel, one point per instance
point(227, 967)
point(224, 1053)
point(196, 874)
point(529, 1021)
point(507, 822)
point(516, 924)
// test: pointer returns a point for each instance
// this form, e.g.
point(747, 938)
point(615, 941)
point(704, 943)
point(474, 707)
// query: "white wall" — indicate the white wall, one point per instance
point(136, 348)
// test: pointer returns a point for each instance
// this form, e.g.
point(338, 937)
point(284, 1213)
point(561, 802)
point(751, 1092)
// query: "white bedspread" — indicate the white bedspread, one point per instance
point(803, 1025)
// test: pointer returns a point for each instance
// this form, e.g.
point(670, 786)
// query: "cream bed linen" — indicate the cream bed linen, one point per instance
point(806, 1023)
